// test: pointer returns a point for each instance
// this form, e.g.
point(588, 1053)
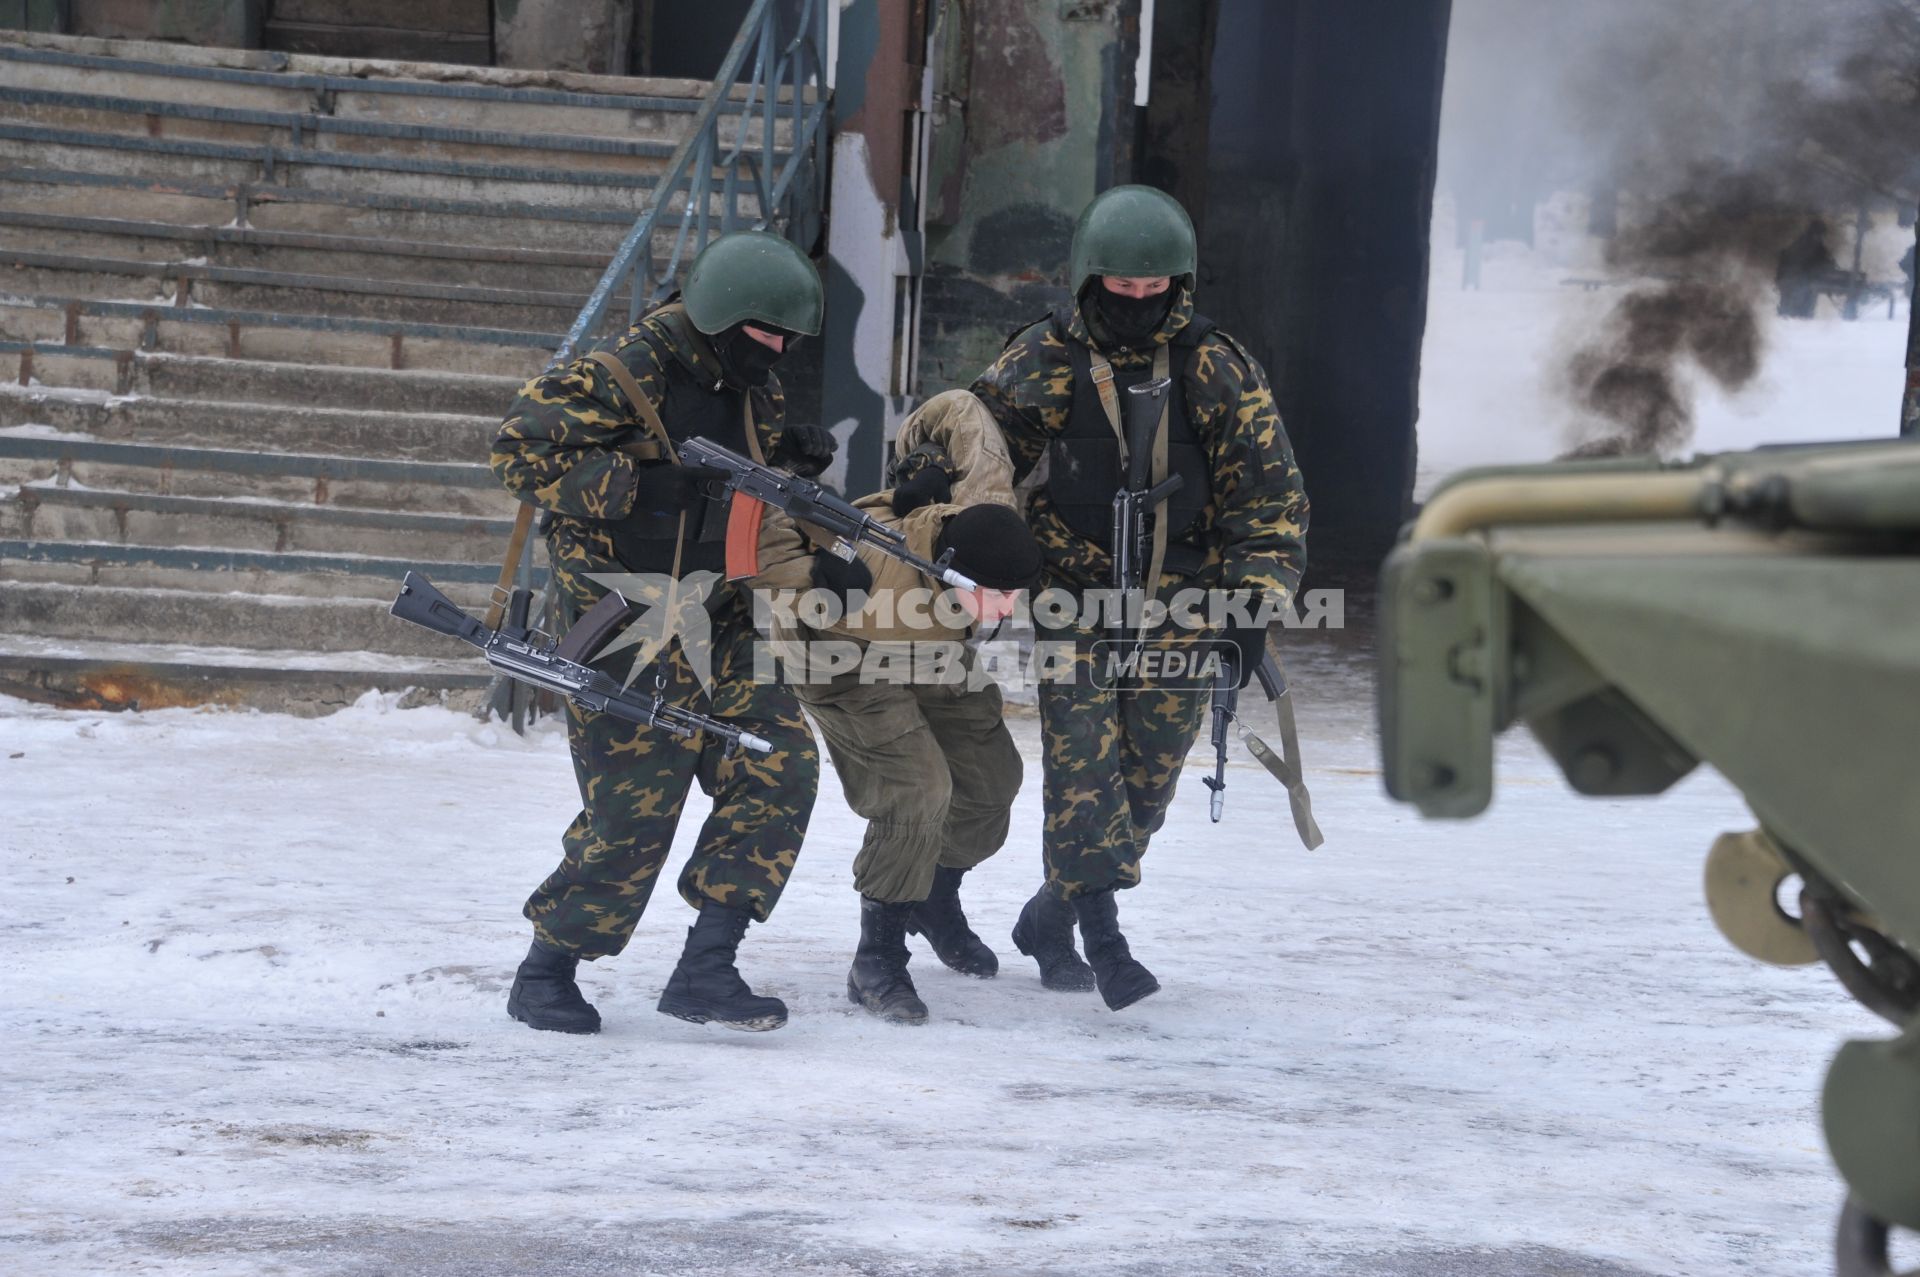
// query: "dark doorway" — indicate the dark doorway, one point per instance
point(402, 30)
point(34, 15)
point(1302, 135)
point(689, 41)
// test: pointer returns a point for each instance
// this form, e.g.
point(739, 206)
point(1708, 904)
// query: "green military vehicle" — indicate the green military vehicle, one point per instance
point(1756, 611)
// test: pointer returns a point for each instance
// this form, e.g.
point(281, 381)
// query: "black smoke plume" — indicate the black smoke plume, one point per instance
point(1731, 138)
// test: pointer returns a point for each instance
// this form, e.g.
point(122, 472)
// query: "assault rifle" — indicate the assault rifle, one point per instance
point(1226, 706)
point(808, 503)
point(515, 651)
point(1132, 505)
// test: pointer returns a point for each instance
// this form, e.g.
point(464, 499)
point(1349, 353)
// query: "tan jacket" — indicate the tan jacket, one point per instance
point(900, 608)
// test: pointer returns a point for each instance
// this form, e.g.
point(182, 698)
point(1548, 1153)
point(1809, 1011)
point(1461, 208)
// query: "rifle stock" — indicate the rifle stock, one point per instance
point(423, 604)
point(512, 651)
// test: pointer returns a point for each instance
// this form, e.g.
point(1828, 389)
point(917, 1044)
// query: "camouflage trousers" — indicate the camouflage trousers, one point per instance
point(634, 780)
point(930, 766)
point(1110, 760)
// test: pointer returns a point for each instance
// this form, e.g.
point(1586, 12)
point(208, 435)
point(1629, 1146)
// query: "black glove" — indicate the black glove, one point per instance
point(1250, 645)
point(805, 450)
point(666, 487)
point(929, 485)
point(841, 576)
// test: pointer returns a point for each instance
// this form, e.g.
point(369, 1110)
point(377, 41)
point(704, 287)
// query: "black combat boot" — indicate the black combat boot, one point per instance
point(1045, 934)
point(878, 979)
point(940, 919)
point(705, 986)
point(545, 996)
point(1123, 981)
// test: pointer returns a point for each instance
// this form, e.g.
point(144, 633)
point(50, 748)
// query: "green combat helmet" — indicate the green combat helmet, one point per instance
point(1132, 231)
point(753, 277)
point(1755, 611)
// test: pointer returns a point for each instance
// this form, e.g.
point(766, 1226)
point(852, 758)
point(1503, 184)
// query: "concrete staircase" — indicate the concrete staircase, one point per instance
point(260, 315)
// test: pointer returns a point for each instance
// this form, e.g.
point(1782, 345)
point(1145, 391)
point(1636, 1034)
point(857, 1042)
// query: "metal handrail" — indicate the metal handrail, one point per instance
point(792, 201)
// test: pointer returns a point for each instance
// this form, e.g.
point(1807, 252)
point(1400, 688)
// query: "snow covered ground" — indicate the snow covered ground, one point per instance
point(255, 966)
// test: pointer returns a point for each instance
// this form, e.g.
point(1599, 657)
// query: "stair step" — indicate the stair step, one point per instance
point(633, 153)
point(238, 380)
point(656, 107)
point(130, 614)
point(215, 571)
point(213, 163)
point(571, 274)
point(306, 574)
point(34, 456)
point(279, 428)
point(123, 372)
point(45, 513)
point(54, 325)
point(93, 674)
point(230, 288)
point(168, 199)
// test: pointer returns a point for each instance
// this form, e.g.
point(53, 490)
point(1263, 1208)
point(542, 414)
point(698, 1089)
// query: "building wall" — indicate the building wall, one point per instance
point(1320, 159)
point(234, 24)
point(1302, 137)
point(1042, 122)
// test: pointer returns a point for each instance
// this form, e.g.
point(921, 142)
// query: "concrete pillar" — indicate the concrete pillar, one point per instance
point(595, 36)
point(873, 237)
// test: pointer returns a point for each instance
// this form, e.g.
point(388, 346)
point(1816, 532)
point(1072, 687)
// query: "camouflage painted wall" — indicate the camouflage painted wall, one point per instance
point(873, 230)
point(1301, 135)
point(1038, 121)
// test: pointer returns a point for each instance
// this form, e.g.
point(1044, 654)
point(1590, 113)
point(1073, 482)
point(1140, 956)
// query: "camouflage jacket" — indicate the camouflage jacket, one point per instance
point(560, 445)
point(1255, 524)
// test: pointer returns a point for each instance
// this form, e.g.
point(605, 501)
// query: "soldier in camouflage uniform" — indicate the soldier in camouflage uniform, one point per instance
point(576, 444)
point(1113, 753)
point(915, 733)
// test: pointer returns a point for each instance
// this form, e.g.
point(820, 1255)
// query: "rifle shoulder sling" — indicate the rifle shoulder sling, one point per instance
point(643, 407)
point(1157, 553)
point(1284, 766)
point(510, 565)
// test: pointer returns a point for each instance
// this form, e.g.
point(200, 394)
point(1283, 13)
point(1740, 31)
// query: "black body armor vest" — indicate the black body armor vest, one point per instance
point(645, 540)
point(1084, 469)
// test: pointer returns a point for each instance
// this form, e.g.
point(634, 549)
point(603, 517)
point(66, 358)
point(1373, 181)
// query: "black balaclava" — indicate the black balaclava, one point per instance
point(993, 545)
point(744, 362)
point(1132, 321)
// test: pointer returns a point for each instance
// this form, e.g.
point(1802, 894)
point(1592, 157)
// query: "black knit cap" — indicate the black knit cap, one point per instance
point(993, 545)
